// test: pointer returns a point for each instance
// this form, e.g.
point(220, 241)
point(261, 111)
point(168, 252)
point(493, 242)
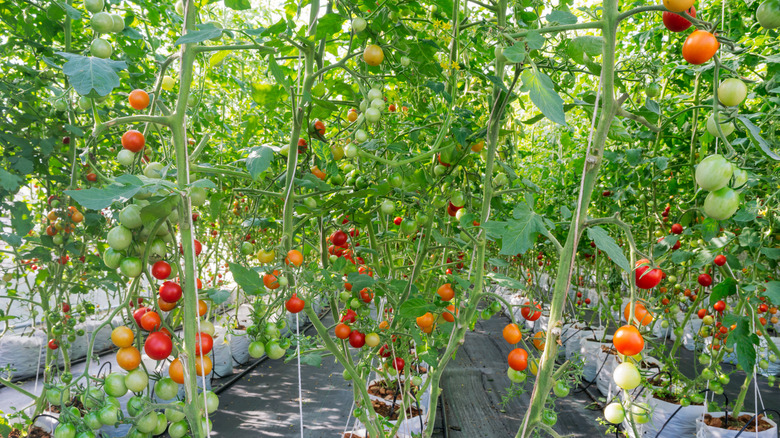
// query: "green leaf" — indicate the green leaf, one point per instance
point(248, 279)
point(744, 340)
point(204, 183)
point(259, 159)
point(772, 291)
point(606, 243)
point(535, 40)
point(21, 219)
point(328, 25)
point(360, 281)
point(755, 135)
point(634, 157)
point(771, 253)
point(515, 53)
point(87, 73)
point(206, 32)
point(503, 280)
point(278, 74)
point(414, 307)
point(561, 17)
point(543, 95)
point(218, 296)
point(725, 288)
point(238, 5)
point(500, 263)
point(9, 181)
point(312, 359)
point(681, 256)
point(580, 46)
point(98, 199)
point(519, 234)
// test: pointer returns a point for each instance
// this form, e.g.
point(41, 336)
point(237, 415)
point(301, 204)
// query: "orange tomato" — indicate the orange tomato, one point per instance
point(539, 339)
point(270, 281)
point(449, 314)
point(446, 292)
point(512, 333)
point(295, 257)
point(700, 47)
point(425, 320)
point(133, 140)
point(176, 371)
point(138, 99)
point(384, 325)
point(641, 314)
point(122, 337)
point(342, 331)
point(628, 341)
point(150, 321)
point(128, 358)
point(203, 365)
point(319, 173)
point(518, 359)
point(202, 308)
point(164, 305)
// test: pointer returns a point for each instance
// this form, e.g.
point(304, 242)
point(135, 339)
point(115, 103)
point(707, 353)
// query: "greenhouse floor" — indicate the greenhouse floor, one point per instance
point(263, 400)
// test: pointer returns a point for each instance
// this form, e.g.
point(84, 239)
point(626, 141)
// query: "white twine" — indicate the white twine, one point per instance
point(300, 390)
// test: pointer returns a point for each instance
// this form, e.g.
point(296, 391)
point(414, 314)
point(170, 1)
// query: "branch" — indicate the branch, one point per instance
point(99, 129)
point(260, 47)
point(562, 28)
point(199, 148)
point(638, 118)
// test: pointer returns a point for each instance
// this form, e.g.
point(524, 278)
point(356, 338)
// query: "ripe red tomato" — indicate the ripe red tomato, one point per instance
point(518, 359)
point(701, 313)
point(720, 306)
point(53, 344)
point(158, 346)
point(294, 304)
point(700, 47)
point(91, 177)
point(398, 364)
point(398, 220)
point(139, 313)
point(628, 341)
point(338, 238)
point(65, 307)
point(526, 311)
point(647, 278)
point(203, 343)
point(678, 23)
point(720, 260)
point(170, 292)
point(357, 339)
point(366, 296)
point(133, 140)
point(677, 229)
point(349, 316)
point(161, 270)
point(705, 280)
point(606, 193)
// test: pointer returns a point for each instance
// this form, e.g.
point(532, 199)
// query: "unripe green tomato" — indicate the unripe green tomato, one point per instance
point(102, 22)
point(94, 6)
point(118, 23)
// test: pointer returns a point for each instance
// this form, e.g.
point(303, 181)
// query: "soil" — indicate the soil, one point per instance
point(608, 350)
point(741, 421)
point(37, 432)
point(382, 390)
point(387, 411)
point(670, 398)
point(16, 433)
point(351, 435)
point(243, 327)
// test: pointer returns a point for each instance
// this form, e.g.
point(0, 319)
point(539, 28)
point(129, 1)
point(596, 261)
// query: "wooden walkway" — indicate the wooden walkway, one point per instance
point(476, 381)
